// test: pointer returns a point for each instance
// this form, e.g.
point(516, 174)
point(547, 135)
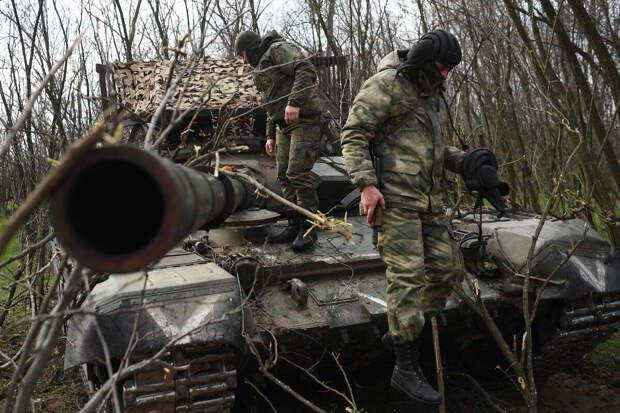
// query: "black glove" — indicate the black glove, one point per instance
point(479, 170)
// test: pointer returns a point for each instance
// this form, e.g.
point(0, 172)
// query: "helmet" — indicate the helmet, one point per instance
point(435, 45)
point(246, 40)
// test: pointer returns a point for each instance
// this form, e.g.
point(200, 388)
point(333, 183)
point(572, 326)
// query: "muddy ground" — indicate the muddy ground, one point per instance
point(567, 381)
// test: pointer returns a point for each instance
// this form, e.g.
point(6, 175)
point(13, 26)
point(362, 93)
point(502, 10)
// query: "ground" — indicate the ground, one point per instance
point(568, 378)
point(568, 382)
point(57, 391)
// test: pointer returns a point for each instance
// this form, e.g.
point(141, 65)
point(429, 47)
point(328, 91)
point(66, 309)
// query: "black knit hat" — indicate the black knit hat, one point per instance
point(435, 45)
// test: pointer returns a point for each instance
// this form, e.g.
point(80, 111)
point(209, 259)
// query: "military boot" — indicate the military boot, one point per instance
point(289, 233)
point(302, 242)
point(407, 375)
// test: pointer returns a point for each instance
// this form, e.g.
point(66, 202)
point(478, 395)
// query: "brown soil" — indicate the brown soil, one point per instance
point(57, 391)
point(566, 381)
point(570, 383)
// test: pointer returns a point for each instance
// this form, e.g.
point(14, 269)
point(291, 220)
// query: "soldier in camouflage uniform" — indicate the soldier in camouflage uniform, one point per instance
point(286, 82)
point(399, 112)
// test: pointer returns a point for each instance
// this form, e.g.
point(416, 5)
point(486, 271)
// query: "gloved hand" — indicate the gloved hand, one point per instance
point(479, 170)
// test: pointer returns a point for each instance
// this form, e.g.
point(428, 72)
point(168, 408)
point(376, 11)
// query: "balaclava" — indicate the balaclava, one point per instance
point(437, 45)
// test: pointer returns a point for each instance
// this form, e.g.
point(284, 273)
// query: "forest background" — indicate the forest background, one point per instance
point(538, 81)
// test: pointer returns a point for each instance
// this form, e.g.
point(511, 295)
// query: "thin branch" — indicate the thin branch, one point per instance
point(28, 250)
point(263, 369)
point(319, 219)
point(26, 112)
point(50, 183)
point(248, 382)
point(318, 381)
point(485, 394)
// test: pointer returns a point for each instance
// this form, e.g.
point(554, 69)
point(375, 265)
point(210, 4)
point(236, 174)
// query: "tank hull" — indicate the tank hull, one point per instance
point(197, 307)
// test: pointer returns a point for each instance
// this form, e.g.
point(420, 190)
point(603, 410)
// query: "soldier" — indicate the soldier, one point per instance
point(286, 82)
point(398, 114)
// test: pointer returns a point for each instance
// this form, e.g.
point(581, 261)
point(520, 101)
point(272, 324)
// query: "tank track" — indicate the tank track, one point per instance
point(205, 383)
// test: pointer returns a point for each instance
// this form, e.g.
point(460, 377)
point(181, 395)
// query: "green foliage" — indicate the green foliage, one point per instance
point(607, 354)
point(12, 248)
point(566, 206)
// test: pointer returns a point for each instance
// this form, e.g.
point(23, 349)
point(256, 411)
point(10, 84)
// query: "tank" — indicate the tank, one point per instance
point(192, 278)
point(189, 278)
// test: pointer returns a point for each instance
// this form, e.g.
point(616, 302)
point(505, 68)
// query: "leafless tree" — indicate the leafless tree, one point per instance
point(539, 85)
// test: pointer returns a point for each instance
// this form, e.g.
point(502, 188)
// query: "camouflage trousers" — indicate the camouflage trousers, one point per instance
point(297, 149)
point(422, 261)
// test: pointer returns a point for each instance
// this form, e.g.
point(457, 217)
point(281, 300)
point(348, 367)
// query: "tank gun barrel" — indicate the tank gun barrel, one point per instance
point(123, 207)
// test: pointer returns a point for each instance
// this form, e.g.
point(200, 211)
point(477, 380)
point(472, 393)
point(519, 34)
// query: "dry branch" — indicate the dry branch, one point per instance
point(256, 389)
point(438, 365)
point(318, 220)
point(481, 389)
point(50, 183)
point(263, 367)
point(28, 109)
point(28, 250)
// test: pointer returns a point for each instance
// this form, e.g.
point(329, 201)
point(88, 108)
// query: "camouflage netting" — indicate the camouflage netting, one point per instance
point(141, 86)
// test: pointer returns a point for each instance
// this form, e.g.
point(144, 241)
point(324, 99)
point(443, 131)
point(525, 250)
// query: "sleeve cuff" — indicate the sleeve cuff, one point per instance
point(364, 181)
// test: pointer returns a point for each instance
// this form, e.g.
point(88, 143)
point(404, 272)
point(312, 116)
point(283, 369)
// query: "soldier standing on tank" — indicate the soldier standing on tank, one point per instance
point(400, 116)
point(286, 82)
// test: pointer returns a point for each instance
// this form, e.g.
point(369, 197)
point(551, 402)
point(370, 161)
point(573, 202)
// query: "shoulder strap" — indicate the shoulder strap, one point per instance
point(404, 120)
point(373, 142)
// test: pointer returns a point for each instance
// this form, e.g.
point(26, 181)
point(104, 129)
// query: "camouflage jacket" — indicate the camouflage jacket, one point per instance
point(292, 75)
point(413, 157)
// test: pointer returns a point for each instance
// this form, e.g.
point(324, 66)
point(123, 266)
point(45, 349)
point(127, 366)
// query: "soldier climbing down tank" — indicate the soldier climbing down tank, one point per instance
point(399, 114)
point(286, 81)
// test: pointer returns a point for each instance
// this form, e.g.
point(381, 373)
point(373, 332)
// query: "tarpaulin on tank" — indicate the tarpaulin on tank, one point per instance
point(591, 269)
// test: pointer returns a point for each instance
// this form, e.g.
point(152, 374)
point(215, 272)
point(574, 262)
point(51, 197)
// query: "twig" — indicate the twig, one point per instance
point(212, 154)
point(28, 108)
point(438, 365)
point(316, 379)
point(319, 219)
point(569, 254)
point(46, 339)
point(50, 183)
point(247, 112)
point(106, 353)
point(29, 249)
point(487, 396)
point(512, 162)
point(529, 387)
point(479, 307)
point(248, 382)
point(26, 281)
point(262, 367)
